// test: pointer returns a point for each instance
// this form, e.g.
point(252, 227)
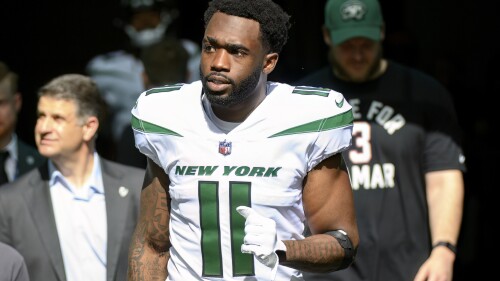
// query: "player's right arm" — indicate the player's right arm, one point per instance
point(149, 249)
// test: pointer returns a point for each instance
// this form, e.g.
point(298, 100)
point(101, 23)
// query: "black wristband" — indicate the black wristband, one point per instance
point(346, 244)
point(446, 244)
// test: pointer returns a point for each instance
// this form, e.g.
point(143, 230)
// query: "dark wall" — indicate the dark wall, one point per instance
point(451, 40)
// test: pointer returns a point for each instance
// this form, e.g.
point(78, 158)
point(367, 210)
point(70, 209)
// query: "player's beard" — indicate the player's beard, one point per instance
point(343, 73)
point(240, 93)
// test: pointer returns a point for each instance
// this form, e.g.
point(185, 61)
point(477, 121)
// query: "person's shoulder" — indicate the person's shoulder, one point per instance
point(126, 178)
point(304, 92)
point(320, 101)
point(131, 176)
point(10, 254)
point(305, 109)
point(416, 74)
point(423, 85)
point(12, 263)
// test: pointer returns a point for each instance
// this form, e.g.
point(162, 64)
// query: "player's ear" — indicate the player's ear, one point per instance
point(382, 32)
point(90, 128)
point(326, 36)
point(270, 62)
point(145, 79)
point(18, 101)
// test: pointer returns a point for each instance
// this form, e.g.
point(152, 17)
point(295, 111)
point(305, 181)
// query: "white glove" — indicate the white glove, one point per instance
point(260, 237)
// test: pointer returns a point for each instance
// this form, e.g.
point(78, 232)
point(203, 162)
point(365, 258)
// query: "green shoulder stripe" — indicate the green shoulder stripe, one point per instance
point(147, 127)
point(305, 90)
point(337, 121)
point(163, 89)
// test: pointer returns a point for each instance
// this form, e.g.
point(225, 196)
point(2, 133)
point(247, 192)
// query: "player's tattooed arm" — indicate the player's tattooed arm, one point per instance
point(149, 249)
point(317, 253)
point(328, 206)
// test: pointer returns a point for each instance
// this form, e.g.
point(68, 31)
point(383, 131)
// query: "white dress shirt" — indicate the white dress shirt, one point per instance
point(80, 215)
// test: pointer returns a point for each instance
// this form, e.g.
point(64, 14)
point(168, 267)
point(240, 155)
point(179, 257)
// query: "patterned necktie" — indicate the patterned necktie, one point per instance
point(3, 175)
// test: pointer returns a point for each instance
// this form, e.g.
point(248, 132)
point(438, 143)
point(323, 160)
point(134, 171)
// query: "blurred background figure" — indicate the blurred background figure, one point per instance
point(165, 62)
point(406, 162)
point(119, 73)
point(16, 156)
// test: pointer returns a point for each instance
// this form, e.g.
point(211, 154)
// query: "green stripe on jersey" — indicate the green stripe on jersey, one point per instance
point(209, 222)
point(337, 121)
point(305, 90)
point(240, 195)
point(147, 127)
point(166, 88)
point(210, 211)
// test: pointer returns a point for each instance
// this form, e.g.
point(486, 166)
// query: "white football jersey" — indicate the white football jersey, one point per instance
point(261, 164)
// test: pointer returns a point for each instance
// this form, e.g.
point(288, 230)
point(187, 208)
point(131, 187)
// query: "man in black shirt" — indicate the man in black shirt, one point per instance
point(406, 164)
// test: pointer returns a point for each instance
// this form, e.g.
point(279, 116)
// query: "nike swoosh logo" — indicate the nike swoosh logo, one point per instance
point(340, 103)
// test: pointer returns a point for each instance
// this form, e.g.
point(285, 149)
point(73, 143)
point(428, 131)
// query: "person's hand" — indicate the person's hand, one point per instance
point(260, 237)
point(438, 267)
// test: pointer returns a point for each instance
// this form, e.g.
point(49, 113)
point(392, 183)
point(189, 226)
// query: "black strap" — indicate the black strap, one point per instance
point(345, 242)
point(446, 244)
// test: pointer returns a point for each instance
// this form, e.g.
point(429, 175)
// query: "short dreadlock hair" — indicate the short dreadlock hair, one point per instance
point(274, 21)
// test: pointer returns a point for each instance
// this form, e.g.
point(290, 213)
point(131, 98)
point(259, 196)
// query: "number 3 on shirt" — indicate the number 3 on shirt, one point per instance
point(362, 148)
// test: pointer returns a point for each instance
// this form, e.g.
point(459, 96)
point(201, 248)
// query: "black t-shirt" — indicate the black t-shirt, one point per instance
point(404, 126)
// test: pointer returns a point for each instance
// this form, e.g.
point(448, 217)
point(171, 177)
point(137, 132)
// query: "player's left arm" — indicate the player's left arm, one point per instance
point(445, 196)
point(329, 206)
